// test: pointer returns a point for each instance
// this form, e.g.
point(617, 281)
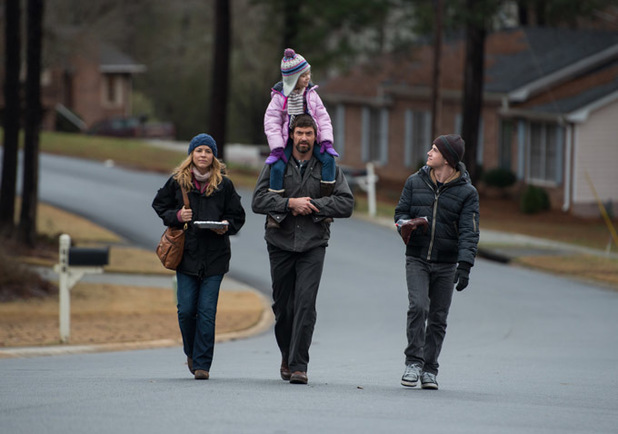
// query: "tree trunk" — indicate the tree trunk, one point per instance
point(436, 96)
point(473, 91)
point(12, 116)
point(221, 67)
point(291, 23)
point(522, 12)
point(27, 221)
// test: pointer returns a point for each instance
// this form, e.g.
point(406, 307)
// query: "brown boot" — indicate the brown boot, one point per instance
point(271, 223)
point(201, 375)
point(190, 364)
point(326, 188)
point(298, 377)
point(285, 371)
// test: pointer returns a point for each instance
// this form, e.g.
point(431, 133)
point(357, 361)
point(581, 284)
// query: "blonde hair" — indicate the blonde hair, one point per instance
point(182, 174)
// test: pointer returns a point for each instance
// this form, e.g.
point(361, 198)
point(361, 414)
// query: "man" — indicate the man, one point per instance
point(297, 247)
point(438, 219)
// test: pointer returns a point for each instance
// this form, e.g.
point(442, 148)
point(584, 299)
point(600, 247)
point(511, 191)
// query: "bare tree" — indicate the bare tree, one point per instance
point(436, 95)
point(27, 220)
point(221, 70)
point(12, 115)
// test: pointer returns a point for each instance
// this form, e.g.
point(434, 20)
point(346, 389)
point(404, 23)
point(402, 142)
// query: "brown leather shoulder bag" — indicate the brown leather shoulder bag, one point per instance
point(172, 242)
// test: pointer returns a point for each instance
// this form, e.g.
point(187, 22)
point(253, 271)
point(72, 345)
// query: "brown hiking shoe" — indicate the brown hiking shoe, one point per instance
point(201, 375)
point(285, 371)
point(298, 377)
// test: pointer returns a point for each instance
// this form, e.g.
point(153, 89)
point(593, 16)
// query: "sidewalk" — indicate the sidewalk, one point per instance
point(504, 246)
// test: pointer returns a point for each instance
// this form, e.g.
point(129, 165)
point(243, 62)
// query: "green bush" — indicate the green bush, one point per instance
point(500, 178)
point(534, 200)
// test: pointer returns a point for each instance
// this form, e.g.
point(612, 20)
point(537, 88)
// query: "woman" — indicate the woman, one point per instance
point(207, 253)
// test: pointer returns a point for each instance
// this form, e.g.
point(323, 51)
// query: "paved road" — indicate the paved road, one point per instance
point(525, 352)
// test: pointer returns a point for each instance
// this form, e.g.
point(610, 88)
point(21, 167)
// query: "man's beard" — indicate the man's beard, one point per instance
point(303, 150)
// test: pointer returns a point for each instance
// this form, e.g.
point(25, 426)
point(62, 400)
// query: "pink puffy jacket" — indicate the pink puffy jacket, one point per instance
point(276, 118)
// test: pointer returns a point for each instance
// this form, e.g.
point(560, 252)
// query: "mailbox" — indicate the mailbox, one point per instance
point(88, 257)
point(73, 264)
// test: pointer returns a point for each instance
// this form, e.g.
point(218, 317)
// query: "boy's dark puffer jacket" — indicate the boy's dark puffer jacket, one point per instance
point(453, 214)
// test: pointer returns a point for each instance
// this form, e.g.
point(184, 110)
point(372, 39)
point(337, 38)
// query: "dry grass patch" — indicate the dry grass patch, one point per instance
point(603, 270)
point(53, 222)
point(123, 259)
point(102, 313)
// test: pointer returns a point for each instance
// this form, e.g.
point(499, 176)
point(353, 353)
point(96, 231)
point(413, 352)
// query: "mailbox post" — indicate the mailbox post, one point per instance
point(371, 189)
point(74, 263)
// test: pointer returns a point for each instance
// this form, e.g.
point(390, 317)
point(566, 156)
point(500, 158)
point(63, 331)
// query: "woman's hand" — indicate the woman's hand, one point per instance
point(221, 230)
point(185, 215)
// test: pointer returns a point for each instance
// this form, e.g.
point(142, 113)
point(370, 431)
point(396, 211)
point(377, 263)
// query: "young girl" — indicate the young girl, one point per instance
point(293, 96)
point(206, 255)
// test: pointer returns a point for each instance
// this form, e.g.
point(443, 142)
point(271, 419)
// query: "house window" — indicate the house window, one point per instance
point(544, 144)
point(375, 135)
point(416, 141)
point(506, 140)
point(112, 90)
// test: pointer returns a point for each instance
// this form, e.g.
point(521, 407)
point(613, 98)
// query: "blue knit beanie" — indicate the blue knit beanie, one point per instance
point(203, 140)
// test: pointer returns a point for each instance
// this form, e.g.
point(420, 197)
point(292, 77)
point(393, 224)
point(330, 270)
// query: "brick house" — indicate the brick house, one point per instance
point(95, 82)
point(550, 112)
point(83, 82)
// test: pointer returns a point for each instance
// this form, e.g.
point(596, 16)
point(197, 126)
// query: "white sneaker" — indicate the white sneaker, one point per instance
point(411, 375)
point(428, 381)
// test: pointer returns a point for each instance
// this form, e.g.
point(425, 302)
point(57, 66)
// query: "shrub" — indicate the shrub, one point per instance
point(534, 200)
point(500, 178)
point(17, 281)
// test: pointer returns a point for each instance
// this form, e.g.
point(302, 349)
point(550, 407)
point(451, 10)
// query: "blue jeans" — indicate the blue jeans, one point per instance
point(197, 310)
point(277, 169)
point(430, 291)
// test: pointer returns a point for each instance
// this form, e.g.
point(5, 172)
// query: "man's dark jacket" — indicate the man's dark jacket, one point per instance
point(453, 214)
point(302, 232)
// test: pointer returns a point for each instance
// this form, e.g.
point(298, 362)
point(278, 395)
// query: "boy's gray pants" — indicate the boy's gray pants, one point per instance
point(430, 290)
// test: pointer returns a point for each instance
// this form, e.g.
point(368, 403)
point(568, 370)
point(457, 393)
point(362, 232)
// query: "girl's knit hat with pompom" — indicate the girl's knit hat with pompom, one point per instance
point(293, 65)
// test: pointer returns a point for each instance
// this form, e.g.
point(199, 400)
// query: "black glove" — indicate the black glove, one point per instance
point(410, 226)
point(462, 275)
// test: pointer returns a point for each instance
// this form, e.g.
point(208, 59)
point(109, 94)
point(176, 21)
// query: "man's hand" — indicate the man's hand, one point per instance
point(301, 206)
point(411, 225)
point(462, 276)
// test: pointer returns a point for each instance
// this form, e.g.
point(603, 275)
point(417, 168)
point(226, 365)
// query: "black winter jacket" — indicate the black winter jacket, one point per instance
point(453, 214)
point(206, 253)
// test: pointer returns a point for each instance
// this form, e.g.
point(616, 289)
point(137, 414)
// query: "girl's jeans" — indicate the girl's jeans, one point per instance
point(197, 310)
point(277, 170)
point(430, 290)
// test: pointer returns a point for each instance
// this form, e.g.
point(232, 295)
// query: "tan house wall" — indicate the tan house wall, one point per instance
point(596, 152)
